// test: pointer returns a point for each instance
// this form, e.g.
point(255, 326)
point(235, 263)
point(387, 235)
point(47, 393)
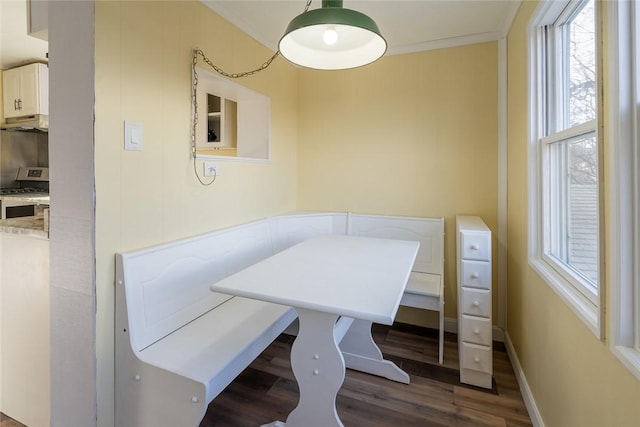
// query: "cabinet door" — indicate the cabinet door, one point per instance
point(11, 92)
point(29, 93)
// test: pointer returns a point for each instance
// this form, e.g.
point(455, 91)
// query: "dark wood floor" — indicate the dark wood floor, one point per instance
point(266, 391)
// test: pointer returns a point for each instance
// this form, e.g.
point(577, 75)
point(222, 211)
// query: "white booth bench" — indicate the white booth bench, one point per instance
point(425, 288)
point(178, 345)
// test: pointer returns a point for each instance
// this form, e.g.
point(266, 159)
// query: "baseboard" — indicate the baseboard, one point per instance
point(451, 325)
point(527, 396)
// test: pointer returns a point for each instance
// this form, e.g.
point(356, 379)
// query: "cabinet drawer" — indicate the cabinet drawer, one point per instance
point(475, 245)
point(476, 357)
point(476, 330)
point(475, 274)
point(476, 302)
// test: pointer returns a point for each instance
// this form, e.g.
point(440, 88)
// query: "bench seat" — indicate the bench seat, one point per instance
point(424, 290)
point(424, 284)
point(218, 346)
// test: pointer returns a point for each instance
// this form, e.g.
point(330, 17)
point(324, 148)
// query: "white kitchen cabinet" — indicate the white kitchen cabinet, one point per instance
point(222, 122)
point(26, 91)
point(475, 342)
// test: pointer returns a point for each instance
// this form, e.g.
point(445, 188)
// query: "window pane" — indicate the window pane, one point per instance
point(573, 205)
point(581, 102)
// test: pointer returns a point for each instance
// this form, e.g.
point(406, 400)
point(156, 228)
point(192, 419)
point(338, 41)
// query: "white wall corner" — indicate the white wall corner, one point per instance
point(514, 5)
point(74, 362)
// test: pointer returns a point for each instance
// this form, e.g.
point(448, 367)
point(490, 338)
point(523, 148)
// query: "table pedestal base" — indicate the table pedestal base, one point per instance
point(319, 364)
point(319, 369)
point(362, 353)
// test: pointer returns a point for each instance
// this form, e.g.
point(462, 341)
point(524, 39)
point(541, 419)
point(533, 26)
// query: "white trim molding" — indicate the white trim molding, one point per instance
point(525, 390)
point(565, 285)
point(624, 172)
point(503, 178)
point(266, 37)
point(444, 43)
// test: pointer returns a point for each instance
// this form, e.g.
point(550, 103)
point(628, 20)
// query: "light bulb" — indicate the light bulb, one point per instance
point(330, 36)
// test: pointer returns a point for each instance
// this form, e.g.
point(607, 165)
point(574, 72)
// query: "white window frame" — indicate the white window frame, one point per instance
point(624, 181)
point(569, 286)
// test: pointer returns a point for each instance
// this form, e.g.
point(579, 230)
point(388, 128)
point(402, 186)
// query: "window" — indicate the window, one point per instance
point(234, 122)
point(624, 181)
point(564, 155)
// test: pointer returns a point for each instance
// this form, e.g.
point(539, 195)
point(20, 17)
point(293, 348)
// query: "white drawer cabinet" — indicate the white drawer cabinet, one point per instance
point(473, 255)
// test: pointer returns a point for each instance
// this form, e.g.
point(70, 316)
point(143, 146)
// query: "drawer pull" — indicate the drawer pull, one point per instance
point(476, 303)
point(476, 359)
point(474, 275)
point(475, 247)
point(476, 331)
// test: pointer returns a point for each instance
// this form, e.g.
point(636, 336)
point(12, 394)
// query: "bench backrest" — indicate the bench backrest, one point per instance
point(157, 306)
point(428, 231)
point(167, 286)
point(288, 230)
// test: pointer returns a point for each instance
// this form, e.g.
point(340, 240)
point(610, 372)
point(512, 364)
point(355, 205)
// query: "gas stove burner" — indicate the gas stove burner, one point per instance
point(5, 191)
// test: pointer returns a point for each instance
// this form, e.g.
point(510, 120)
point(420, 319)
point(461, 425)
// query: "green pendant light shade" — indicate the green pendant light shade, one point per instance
point(332, 38)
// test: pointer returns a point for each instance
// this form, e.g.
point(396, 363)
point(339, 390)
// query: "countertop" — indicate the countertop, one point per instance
point(39, 198)
point(32, 226)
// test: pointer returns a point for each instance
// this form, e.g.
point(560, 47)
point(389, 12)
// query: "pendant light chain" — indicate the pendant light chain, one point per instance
point(198, 52)
point(194, 101)
point(194, 123)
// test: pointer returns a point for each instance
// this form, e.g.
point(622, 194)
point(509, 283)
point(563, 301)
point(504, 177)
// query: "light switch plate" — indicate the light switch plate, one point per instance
point(132, 136)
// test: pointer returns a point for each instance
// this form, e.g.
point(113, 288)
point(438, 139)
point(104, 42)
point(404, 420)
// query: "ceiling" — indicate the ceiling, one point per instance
point(408, 26)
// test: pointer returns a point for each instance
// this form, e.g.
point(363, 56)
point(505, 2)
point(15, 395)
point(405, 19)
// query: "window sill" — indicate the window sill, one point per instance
point(578, 303)
point(200, 156)
point(630, 358)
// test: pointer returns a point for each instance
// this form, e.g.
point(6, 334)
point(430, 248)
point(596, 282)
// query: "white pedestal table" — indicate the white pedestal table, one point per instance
point(325, 278)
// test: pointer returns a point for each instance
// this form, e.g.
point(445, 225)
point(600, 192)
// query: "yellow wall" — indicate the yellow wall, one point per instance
point(143, 74)
point(409, 135)
point(574, 378)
